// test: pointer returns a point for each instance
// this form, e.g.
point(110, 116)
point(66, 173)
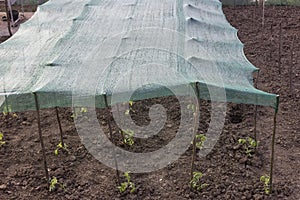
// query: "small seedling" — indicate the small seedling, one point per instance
point(127, 184)
point(128, 136)
point(200, 139)
point(53, 183)
point(266, 180)
point(1, 139)
point(191, 107)
point(7, 110)
point(249, 145)
point(130, 108)
point(195, 182)
point(62, 147)
point(78, 112)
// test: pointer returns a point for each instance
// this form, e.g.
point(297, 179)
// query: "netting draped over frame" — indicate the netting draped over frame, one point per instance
point(115, 47)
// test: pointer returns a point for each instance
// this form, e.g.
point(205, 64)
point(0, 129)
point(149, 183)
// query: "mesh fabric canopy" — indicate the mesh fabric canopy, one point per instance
point(119, 47)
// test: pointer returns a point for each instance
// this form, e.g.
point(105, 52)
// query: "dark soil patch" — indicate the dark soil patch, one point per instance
point(26, 8)
point(3, 38)
point(227, 170)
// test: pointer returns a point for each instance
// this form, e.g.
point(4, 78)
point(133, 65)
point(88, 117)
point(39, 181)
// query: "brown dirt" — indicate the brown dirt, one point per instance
point(228, 171)
point(3, 38)
point(27, 8)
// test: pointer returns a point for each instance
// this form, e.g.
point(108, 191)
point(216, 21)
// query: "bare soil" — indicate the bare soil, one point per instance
point(228, 171)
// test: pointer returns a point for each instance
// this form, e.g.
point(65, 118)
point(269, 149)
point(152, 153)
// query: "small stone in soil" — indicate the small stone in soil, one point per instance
point(258, 196)
point(72, 158)
point(236, 147)
point(25, 123)
point(243, 160)
point(3, 187)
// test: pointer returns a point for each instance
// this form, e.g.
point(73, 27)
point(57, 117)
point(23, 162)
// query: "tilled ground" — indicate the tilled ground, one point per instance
point(227, 170)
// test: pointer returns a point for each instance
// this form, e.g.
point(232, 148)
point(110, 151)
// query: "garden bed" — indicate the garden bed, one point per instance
point(228, 171)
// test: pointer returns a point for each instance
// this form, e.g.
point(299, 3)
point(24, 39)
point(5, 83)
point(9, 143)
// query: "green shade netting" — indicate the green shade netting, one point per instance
point(141, 48)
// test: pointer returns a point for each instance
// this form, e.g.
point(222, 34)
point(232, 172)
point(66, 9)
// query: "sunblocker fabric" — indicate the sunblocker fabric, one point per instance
point(143, 48)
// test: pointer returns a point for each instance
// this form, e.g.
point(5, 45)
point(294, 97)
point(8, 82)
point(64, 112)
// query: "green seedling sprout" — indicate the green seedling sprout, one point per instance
point(78, 112)
point(191, 107)
point(195, 182)
point(200, 139)
point(252, 142)
point(60, 146)
point(128, 136)
point(127, 184)
point(53, 183)
point(130, 108)
point(1, 139)
point(266, 180)
point(249, 145)
point(7, 110)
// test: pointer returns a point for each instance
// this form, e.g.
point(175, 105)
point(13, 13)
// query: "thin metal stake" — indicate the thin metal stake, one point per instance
point(111, 137)
point(291, 65)
point(60, 128)
point(280, 46)
point(196, 116)
point(263, 13)
point(255, 110)
point(7, 110)
point(271, 40)
point(41, 138)
point(8, 18)
point(118, 109)
point(253, 20)
point(6, 106)
point(273, 147)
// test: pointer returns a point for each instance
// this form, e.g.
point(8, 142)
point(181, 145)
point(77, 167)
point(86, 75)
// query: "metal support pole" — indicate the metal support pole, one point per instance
point(291, 65)
point(263, 13)
point(7, 17)
point(196, 117)
point(255, 123)
point(7, 109)
point(22, 8)
point(60, 128)
point(273, 146)
point(255, 111)
point(111, 137)
point(280, 47)
point(253, 20)
point(118, 110)
point(41, 138)
point(6, 104)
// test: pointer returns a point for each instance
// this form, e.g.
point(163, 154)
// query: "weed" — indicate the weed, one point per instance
point(60, 146)
point(195, 182)
point(1, 139)
point(128, 136)
point(266, 180)
point(127, 184)
point(249, 145)
point(53, 183)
